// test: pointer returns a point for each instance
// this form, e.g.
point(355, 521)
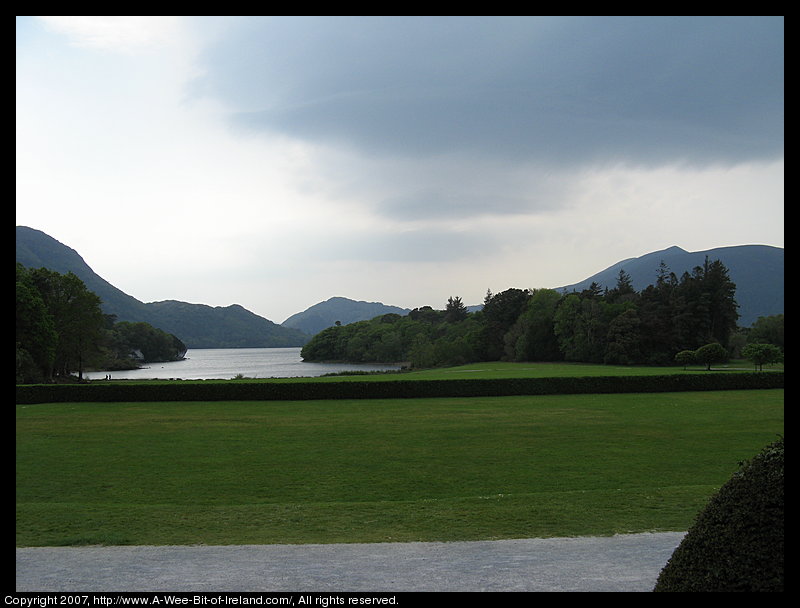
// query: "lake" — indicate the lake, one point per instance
point(226, 363)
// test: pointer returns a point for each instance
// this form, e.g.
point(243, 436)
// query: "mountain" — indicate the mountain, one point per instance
point(320, 316)
point(203, 326)
point(197, 325)
point(757, 271)
point(35, 249)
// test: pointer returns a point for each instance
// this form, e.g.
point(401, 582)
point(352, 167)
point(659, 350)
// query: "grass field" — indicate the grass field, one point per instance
point(374, 471)
point(505, 369)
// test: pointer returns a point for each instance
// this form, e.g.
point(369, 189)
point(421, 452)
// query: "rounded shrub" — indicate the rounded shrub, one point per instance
point(736, 542)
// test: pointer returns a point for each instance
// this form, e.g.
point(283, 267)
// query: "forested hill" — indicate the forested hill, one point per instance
point(694, 315)
point(757, 271)
point(197, 325)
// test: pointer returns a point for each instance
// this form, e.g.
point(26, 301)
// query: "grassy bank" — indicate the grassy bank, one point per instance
point(504, 369)
point(374, 471)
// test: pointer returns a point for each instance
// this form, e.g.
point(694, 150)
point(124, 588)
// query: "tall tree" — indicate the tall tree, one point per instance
point(623, 291)
point(767, 330)
point(706, 308)
point(657, 316)
point(569, 327)
point(533, 338)
point(500, 312)
point(720, 292)
point(623, 347)
point(77, 319)
point(36, 337)
point(455, 310)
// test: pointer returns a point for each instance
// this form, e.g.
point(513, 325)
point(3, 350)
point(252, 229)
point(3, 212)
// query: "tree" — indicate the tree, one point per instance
point(623, 339)
point(664, 276)
point(623, 291)
point(767, 330)
point(760, 354)
point(76, 317)
point(500, 312)
point(711, 353)
point(421, 352)
point(658, 306)
point(532, 337)
point(705, 306)
point(720, 292)
point(427, 315)
point(595, 290)
point(685, 357)
point(455, 311)
point(36, 337)
point(568, 327)
point(582, 324)
point(153, 344)
point(79, 321)
point(327, 345)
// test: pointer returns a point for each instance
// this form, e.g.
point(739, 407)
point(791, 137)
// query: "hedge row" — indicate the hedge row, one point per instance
point(238, 390)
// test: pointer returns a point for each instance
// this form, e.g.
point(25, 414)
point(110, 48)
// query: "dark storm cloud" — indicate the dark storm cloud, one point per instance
point(548, 89)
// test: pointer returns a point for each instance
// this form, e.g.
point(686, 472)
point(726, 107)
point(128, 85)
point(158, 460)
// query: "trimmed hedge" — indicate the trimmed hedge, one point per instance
point(239, 390)
point(737, 541)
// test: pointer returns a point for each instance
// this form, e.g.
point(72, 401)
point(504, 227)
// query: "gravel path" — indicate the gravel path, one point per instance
point(628, 562)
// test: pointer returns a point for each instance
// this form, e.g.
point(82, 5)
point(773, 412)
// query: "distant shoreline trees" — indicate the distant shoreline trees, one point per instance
point(61, 330)
point(613, 326)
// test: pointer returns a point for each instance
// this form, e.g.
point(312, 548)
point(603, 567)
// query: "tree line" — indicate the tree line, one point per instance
point(61, 330)
point(613, 326)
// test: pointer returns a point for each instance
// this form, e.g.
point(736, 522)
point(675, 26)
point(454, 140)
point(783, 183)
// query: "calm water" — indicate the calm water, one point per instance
point(226, 363)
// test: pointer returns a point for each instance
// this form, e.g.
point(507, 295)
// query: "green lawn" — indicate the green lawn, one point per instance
point(504, 369)
point(374, 471)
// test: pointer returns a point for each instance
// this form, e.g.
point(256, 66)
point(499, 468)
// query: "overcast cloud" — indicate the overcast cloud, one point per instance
point(278, 161)
point(644, 90)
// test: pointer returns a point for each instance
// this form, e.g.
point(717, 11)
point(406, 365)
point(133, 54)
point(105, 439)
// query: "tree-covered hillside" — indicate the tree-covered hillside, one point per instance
point(618, 325)
point(757, 271)
point(61, 330)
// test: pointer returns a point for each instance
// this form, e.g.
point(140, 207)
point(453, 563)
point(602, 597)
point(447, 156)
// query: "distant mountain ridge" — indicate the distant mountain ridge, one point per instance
point(757, 271)
point(321, 316)
point(197, 325)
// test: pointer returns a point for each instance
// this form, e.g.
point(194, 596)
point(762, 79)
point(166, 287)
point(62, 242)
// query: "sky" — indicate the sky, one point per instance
point(276, 162)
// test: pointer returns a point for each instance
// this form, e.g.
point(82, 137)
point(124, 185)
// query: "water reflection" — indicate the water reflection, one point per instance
point(227, 363)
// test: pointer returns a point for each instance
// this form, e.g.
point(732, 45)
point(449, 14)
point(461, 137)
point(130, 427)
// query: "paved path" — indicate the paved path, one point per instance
point(628, 562)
